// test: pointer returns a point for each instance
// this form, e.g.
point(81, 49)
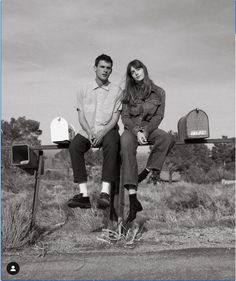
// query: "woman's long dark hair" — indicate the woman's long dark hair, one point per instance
point(132, 88)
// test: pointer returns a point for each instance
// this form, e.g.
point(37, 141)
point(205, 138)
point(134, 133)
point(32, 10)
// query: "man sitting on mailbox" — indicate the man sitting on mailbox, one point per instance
point(98, 106)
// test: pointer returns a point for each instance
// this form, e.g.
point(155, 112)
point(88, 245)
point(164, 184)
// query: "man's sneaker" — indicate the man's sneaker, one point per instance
point(134, 208)
point(104, 201)
point(143, 175)
point(79, 201)
point(155, 176)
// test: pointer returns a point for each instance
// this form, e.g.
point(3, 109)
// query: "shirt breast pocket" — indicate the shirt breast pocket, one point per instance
point(135, 110)
point(150, 108)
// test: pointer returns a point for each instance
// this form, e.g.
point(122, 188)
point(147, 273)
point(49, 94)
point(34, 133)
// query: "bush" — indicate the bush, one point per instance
point(16, 230)
point(17, 180)
point(54, 175)
point(188, 196)
point(214, 175)
point(195, 174)
point(182, 197)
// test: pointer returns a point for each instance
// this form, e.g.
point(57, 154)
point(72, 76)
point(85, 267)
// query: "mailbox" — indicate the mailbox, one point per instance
point(24, 157)
point(61, 131)
point(194, 125)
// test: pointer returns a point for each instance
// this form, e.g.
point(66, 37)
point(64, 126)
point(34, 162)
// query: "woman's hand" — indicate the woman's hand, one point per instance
point(141, 138)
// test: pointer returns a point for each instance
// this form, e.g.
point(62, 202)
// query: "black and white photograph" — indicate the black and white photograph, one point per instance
point(118, 140)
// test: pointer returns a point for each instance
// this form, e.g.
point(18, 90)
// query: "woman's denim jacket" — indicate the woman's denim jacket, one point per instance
point(144, 115)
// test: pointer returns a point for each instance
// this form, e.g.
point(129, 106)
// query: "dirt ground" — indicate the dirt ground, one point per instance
point(201, 254)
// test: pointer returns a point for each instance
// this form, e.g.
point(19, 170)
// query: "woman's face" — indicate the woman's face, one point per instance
point(137, 73)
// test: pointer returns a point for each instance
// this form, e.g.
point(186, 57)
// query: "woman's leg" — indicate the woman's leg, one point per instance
point(134, 205)
point(129, 146)
point(162, 143)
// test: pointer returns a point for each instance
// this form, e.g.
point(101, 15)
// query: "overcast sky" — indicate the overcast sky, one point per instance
point(49, 47)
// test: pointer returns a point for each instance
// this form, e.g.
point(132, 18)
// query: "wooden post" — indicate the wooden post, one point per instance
point(121, 200)
point(36, 187)
point(170, 175)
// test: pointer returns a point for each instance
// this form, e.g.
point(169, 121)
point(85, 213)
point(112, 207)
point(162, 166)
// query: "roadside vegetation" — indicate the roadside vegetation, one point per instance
point(168, 209)
point(174, 214)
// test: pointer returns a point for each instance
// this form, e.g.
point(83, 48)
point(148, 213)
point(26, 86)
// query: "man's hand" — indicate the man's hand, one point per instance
point(92, 138)
point(98, 137)
point(141, 138)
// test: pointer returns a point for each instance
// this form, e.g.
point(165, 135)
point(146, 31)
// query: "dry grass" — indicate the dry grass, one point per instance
point(167, 208)
point(189, 205)
point(16, 230)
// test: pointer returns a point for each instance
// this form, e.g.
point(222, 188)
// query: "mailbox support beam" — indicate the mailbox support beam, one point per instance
point(193, 141)
point(36, 188)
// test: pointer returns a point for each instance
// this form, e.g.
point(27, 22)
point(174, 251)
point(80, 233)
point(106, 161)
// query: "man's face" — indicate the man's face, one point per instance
point(103, 70)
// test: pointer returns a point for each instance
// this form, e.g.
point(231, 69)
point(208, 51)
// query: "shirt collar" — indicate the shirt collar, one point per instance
point(105, 87)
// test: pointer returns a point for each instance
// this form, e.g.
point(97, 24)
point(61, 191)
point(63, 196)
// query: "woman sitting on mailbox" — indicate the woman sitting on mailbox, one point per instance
point(142, 112)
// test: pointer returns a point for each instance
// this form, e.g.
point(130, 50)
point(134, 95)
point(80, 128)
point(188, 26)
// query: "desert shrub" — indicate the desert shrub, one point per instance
point(184, 196)
point(195, 174)
point(217, 174)
point(185, 204)
point(225, 201)
point(213, 175)
point(16, 231)
point(229, 175)
point(54, 175)
point(17, 181)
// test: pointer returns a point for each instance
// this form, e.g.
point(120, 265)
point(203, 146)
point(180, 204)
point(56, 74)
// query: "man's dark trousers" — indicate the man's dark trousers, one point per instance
point(111, 156)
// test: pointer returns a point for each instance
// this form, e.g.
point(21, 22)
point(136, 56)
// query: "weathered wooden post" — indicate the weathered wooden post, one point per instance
point(28, 160)
point(36, 187)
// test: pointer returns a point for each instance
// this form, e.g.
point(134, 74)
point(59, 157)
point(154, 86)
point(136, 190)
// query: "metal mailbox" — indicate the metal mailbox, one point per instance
point(25, 158)
point(194, 125)
point(61, 131)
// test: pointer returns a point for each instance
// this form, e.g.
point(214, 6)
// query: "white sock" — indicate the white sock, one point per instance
point(106, 187)
point(132, 191)
point(83, 189)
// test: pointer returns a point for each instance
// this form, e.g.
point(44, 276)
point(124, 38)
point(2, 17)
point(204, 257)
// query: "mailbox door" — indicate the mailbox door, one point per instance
point(197, 125)
point(25, 158)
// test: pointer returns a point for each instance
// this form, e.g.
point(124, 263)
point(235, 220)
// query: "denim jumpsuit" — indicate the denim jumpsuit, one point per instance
point(144, 115)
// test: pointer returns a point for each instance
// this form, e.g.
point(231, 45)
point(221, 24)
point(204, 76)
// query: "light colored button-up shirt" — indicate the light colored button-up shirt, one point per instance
point(98, 103)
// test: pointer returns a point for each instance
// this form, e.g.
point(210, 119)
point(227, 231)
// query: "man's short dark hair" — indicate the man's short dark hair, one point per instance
point(105, 58)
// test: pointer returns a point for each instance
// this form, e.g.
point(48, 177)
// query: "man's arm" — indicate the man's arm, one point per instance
point(84, 124)
point(81, 116)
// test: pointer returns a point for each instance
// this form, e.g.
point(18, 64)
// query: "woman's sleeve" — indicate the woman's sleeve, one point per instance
point(157, 117)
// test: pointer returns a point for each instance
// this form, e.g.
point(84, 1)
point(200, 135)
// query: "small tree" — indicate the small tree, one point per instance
point(20, 130)
point(187, 159)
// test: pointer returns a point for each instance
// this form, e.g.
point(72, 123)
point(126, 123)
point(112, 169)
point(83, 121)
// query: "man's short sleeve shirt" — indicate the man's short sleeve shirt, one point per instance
point(98, 103)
